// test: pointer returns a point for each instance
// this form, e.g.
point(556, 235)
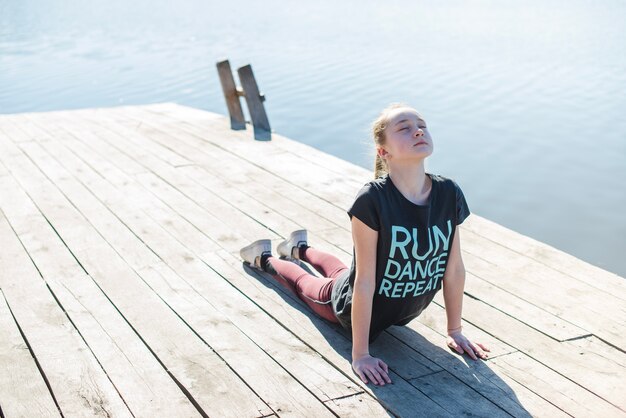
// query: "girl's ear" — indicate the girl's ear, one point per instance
point(381, 152)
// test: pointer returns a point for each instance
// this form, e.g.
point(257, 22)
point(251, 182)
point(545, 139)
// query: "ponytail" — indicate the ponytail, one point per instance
point(380, 168)
point(378, 133)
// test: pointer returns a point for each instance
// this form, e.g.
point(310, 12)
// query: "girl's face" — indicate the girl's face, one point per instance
point(406, 138)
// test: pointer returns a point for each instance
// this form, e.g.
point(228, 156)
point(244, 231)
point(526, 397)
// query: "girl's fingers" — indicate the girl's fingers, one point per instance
point(484, 347)
point(385, 376)
point(372, 376)
point(362, 376)
point(384, 370)
point(476, 349)
point(472, 349)
point(379, 379)
point(456, 347)
point(469, 351)
point(480, 350)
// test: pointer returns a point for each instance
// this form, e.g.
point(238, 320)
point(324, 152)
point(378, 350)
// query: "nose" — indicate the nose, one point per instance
point(419, 132)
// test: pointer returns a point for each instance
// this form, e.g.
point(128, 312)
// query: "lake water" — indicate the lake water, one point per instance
point(526, 101)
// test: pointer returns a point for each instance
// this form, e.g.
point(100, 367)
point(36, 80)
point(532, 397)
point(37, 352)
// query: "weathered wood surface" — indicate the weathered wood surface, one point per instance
point(229, 88)
point(121, 290)
point(254, 99)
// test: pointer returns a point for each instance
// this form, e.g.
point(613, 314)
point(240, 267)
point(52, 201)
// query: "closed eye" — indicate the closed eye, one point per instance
point(406, 127)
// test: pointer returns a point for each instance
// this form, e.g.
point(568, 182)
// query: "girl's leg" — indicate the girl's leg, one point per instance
point(327, 264)
point(312, 290)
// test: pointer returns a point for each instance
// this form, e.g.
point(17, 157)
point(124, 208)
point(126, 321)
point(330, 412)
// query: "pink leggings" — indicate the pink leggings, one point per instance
point(312, 290)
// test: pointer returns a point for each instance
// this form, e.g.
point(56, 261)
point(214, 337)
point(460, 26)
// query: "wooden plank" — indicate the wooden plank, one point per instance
point(196, 367)
point(357, 406)
point(456, 397)
point(593, 346)
point(561, 392)
point(52, 337)
point(189, 198)
point(262, 130)
point(602, 280)
point(22, 387)
point(340, 238)
point(229, 89)
point(277, 212)
point(141, 380)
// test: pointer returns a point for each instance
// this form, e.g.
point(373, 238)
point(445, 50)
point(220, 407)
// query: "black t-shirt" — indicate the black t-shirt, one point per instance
point(414, 242)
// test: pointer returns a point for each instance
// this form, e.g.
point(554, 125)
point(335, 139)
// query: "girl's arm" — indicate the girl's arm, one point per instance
point(365, 243)
point(453, 285)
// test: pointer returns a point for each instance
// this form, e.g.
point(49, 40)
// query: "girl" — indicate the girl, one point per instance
point(406, 248)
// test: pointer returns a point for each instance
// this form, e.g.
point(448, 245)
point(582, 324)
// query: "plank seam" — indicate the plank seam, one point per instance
point(511, 316)
point(32, 353)
point(539, 395)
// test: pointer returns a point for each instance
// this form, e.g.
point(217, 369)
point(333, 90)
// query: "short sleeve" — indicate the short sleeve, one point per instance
point(462, 210)
point(364, 207)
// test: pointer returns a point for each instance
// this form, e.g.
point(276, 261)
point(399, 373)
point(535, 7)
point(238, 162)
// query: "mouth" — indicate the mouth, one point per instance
point(420, 143)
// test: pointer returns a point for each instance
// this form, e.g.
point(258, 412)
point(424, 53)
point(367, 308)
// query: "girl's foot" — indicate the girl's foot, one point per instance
point(291, 247)
point(253, 253)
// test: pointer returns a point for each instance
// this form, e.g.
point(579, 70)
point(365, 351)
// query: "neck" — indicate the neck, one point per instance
point(411, 181)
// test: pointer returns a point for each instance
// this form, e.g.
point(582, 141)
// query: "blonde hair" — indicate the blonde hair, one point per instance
point(378, 133)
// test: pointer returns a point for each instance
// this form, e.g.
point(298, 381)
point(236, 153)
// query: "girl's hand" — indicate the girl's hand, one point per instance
point(372, 368)
point(458, 342)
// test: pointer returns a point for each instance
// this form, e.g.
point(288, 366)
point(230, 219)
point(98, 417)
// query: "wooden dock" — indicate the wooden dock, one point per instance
point(122, 292)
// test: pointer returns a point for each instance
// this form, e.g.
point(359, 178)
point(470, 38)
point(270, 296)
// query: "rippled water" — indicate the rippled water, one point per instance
point(525, 100)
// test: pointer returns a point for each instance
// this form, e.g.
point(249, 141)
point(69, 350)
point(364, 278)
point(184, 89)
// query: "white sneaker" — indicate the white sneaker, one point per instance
point(252, 253)
point(290, 247)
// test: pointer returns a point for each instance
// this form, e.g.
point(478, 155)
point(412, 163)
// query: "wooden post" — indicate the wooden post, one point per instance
point(231, 94)
point(254, 99)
